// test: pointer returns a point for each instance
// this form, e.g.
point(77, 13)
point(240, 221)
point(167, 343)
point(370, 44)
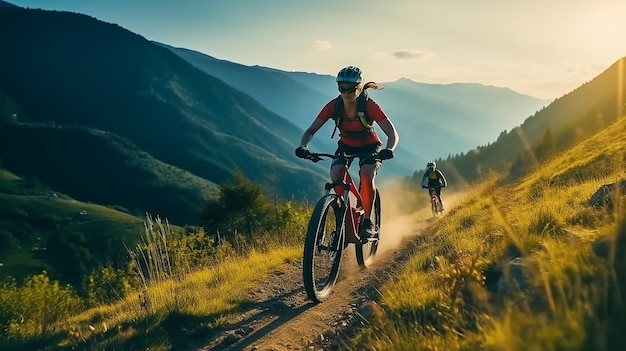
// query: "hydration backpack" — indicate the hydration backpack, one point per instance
point(361, 112)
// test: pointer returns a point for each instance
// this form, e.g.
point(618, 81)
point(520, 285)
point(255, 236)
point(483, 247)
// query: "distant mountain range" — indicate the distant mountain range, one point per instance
point(104, 115)
point(435, 120)
point(570, 119)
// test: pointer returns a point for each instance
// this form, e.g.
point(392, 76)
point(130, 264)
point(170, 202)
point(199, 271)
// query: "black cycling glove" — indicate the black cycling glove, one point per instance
point(385, 154)
point(302, 152)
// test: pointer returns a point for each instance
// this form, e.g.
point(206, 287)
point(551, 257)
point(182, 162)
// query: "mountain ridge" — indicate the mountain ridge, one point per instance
point(412, 106)
point(166, 107)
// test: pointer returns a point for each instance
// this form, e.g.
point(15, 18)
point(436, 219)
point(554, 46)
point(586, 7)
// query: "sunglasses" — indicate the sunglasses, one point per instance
point(347, 90)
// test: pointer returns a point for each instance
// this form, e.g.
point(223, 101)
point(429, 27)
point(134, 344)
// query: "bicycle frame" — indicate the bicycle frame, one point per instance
point(335, 223)
point(433, 193)
point(434, 197)
point(346, 187)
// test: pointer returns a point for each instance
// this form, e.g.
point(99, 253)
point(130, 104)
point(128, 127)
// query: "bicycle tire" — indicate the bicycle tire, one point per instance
point(434, 206)
point(365, 252)
point(323, 248)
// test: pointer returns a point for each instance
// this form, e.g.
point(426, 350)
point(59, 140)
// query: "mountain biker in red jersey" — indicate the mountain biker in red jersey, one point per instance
point(356, 136)
point(434, 178)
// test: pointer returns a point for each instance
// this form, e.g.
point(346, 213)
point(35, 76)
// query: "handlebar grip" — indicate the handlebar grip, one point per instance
point(314, 157)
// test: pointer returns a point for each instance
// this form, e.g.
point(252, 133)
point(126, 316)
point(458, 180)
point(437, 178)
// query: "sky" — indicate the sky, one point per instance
point(542, 48)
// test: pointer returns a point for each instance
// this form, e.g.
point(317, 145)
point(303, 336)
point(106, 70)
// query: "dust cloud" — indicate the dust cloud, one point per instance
point(398, 223)
point(402, 217)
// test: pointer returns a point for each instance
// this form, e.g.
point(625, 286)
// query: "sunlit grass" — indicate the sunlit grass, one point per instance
point(182, 292)
point(209, 295)
point(557, 296)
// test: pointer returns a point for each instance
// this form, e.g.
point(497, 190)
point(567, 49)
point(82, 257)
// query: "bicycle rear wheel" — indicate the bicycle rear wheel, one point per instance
point(365, 252)
point(323, 248)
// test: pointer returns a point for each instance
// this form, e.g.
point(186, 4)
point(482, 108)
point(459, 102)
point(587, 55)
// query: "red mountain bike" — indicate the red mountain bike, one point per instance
point(334, 224)
point(435, 202)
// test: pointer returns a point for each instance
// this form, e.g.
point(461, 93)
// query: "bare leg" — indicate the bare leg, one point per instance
point(336, 173)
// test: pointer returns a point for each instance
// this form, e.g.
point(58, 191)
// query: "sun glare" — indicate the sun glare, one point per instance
point(605, 27)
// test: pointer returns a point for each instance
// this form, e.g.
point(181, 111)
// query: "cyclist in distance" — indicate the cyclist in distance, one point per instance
point(354, 113)
point(434, 178)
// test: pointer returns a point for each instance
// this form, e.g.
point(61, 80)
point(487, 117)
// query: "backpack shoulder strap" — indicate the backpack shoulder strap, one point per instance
point(362, 110)
point(338, 110)
point(338, 114)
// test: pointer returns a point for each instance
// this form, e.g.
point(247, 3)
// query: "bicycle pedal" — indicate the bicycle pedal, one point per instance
point(330, 249)
point(369, 240)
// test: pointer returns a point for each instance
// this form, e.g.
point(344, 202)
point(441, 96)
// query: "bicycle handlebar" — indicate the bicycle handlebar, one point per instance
point(316, 157)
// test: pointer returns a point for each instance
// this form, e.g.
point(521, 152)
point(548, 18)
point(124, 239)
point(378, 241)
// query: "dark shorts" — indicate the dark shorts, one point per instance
point(437, 188)
point(364, 150)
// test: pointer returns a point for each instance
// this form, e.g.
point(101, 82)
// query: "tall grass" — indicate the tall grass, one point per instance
point(188, 285)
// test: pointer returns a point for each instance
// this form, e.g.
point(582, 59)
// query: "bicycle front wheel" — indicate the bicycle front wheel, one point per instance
point(323, 248)
point(365, 252)
point(435, 206)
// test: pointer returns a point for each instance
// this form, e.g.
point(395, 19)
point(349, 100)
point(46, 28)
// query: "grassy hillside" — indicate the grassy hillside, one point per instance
point(102, 168)
point(524, 265)
point(41, 229)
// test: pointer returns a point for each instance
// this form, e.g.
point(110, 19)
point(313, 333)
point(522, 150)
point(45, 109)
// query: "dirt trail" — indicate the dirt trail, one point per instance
point(283, 318)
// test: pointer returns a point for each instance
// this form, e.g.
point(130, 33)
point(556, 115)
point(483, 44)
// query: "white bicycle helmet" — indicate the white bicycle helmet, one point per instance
point(431, 164)
point(349, 74)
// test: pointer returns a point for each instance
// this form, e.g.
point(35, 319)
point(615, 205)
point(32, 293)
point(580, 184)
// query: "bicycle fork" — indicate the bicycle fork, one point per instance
point(335, 236)
point(350, 217)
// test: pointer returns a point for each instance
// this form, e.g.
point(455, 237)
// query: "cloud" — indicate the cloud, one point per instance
point(409, 54)
point(322, 45)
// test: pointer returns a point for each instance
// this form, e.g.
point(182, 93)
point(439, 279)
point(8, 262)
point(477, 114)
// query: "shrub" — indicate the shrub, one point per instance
point(36, 307)
point(109, 285)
